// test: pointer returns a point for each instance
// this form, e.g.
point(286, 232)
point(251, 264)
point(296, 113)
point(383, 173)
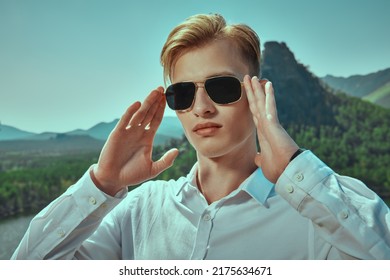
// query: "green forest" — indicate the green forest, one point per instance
point(357, 146)
point(350, 135)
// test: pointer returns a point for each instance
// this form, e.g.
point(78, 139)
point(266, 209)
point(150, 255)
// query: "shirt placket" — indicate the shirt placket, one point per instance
point(205, 226)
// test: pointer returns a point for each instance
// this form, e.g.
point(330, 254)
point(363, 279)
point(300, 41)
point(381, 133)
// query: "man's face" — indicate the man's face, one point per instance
point(226, 128)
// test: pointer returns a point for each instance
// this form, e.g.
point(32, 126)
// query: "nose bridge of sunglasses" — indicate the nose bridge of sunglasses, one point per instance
point(199, 85)
point(202, 96)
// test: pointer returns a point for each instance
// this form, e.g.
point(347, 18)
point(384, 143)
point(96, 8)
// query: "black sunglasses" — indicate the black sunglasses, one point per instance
point(221, 90)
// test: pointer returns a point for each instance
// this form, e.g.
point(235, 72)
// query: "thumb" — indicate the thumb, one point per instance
point(164, 162)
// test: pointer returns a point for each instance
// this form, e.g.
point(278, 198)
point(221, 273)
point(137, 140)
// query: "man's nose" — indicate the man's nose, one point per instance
point(203, 105)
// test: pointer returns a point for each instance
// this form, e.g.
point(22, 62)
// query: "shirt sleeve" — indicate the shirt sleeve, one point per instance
point(343, 210)
point(60, 228)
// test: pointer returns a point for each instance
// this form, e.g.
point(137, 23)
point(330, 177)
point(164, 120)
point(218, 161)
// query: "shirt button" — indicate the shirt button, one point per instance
point(343, 214)
point(298, 177)
point(207, 217)
point(92, 200)
point(289, 188)
point(60, 233)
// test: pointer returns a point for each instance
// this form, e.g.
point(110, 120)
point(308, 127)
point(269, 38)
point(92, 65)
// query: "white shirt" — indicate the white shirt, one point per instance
point(310, 213)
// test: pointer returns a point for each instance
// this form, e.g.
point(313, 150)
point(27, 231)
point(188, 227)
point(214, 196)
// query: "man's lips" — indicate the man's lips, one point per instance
point(206, 129)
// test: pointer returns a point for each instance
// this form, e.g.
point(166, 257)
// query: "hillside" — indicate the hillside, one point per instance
point(9, 133)
point(381, 96)
point(58, 145)
point(170, 128)
point(350, 135)
point(373, 87)
point(300, 96)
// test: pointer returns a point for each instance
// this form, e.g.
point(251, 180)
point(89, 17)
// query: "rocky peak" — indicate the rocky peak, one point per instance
point(300, 95)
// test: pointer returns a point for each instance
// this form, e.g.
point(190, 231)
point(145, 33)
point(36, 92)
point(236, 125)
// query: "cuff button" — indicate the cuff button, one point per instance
point(299, 177)
point(289, 188)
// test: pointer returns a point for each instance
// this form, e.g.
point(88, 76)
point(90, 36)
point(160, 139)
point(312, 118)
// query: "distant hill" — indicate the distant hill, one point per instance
point(381, 96)
point(374, 87)
point(9, 133)
point(350, 135)
point(60, 144)
point(170, 128)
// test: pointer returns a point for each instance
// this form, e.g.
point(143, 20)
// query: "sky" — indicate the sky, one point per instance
point(70, 64)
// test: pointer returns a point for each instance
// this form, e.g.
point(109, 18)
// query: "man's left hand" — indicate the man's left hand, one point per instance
point(277, 147)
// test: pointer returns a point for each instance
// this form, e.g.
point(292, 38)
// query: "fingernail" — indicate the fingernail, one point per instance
point(263, 82)
point(249, 79)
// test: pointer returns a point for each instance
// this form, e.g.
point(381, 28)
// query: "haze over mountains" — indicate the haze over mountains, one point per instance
point(374, 87)
point(170, 128)
point(302, 99)
point(350, 135)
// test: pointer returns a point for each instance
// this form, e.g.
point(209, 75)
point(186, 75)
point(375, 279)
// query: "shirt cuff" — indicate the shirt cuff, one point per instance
point(90, 199)
point(300, 177)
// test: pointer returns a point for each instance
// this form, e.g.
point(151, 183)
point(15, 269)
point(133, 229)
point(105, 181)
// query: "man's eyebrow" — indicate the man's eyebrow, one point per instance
point(216, 74)
point(223, 73)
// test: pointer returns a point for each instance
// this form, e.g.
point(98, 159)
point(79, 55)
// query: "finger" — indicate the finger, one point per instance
point(270, 103)
point(164, 162)
point(250, 94)
point(153, 111)
point(255, 95)
point(248, 89)
point(139, 116)
point(259, 93)
point(157, 118)
point(126, 117)
point(147, 107)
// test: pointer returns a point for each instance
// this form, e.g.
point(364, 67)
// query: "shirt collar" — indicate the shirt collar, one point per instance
point(256, 185)
point(189, 179)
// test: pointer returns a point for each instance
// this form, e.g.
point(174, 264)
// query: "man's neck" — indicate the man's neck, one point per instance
point(217, 177)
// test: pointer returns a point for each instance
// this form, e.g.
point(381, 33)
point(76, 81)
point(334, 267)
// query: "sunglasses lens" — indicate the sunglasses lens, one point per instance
point(223, 90)
point(180, 96)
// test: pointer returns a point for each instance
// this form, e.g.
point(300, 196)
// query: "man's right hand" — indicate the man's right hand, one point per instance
point(126, 158)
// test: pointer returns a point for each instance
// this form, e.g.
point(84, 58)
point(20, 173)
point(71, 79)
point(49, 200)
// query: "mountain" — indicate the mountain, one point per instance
point(170, 128)
point(9, 133)
point(98, 131)
point(300, 95)
point(380, 96)
point(373, 87)
point(58, 145)
point(349, 134)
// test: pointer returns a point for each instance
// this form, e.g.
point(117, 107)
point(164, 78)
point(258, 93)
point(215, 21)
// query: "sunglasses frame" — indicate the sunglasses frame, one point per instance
point(201, 84)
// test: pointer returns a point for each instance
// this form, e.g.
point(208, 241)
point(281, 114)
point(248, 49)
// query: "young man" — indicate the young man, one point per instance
point(236, 203)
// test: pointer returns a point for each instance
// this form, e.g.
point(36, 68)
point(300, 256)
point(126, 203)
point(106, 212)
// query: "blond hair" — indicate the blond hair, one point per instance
point(199, 30)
